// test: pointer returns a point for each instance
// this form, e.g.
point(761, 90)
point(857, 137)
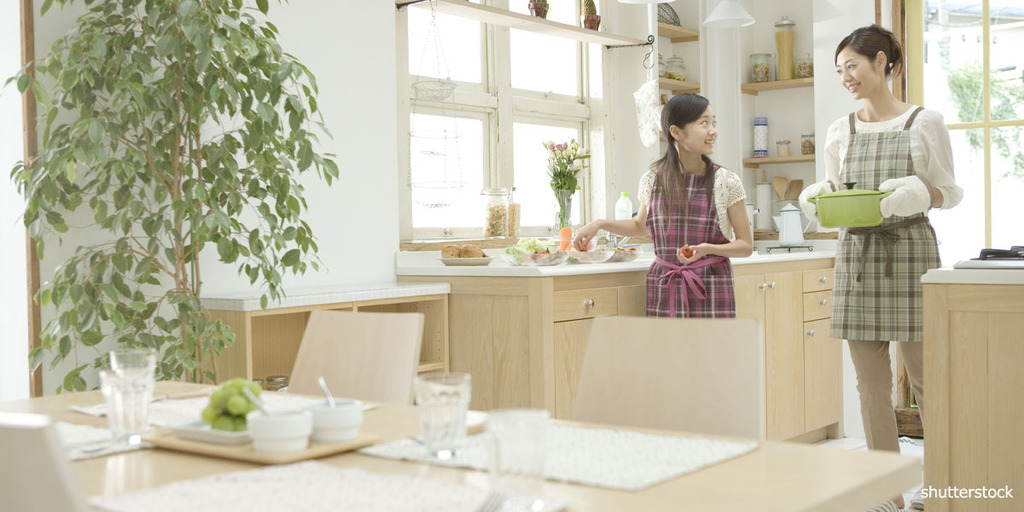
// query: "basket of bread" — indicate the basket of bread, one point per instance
point(464, 255)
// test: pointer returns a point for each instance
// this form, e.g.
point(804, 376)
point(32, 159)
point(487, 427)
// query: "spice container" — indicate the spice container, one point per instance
point(782, 147)
point(760, 67)
point(675, 68)
point(760, 137)
point(495, 212)
point(807, 143)
point(275, 383)
point(513, 214)
point(805, 66)
point(785, 35)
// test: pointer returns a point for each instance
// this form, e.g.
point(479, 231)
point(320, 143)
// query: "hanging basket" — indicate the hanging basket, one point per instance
point(433, 90)
point(666, 14)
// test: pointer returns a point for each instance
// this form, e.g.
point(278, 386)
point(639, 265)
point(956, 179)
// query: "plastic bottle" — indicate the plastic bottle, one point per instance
point(624, 207)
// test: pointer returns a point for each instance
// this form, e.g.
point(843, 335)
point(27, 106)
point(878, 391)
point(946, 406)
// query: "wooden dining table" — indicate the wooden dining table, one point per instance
point(777, 476)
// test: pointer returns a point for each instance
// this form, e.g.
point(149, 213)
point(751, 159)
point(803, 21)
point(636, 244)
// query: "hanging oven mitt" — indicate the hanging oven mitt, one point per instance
point(909, 195)
point(648, 112)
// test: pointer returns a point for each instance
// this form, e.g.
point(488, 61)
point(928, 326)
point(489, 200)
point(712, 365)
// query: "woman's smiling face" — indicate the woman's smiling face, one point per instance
point(860, 75)
point(698, 136)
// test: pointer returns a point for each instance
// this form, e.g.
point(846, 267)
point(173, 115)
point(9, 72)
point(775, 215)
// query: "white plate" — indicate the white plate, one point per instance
point(467, 262)
point(591, 256)
point(201, 431)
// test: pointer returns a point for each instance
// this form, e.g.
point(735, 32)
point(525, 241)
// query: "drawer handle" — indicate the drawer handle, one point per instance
point(823, 280)
point(810, 333)
point(824, 302)
point(772, 285)
point(589, 303)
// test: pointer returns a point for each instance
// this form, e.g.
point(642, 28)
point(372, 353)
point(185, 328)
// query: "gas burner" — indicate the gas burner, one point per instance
point(789, 248)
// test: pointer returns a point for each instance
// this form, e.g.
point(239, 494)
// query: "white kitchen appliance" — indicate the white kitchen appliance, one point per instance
point(1012, 258)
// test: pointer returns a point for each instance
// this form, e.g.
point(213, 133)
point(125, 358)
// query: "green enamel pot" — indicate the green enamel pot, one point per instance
point(850, 208)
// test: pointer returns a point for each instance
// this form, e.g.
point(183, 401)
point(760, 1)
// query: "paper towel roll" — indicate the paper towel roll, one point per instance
point(763, 219)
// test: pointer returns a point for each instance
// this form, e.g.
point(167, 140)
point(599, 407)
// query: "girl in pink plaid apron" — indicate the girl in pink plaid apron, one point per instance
point(691, 202)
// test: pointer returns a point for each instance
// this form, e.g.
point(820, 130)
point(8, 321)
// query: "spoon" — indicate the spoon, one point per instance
point(252, 398)
point(327, 391)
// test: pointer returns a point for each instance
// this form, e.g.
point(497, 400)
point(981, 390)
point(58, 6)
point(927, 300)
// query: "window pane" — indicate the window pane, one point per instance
point(1006, 66)
point(446, 162)
point(533, 185)
point(961, 230)
point(546, 63)
point(449, 48)
point(1007, 186)
point(952, 61)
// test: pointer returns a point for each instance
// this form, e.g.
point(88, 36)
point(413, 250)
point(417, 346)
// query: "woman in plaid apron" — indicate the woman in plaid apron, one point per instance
point(893, 147)
point(687, 202)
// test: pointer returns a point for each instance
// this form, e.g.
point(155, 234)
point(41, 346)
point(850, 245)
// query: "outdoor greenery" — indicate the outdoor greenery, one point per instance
point(965, 86)
point(168, 127)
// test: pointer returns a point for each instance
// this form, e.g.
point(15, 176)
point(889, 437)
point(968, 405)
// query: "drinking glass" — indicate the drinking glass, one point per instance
point(443, 400)
point(128, 397)
point(518, 446)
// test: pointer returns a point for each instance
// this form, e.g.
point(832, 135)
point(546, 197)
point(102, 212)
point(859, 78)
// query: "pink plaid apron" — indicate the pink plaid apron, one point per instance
point(704, 287)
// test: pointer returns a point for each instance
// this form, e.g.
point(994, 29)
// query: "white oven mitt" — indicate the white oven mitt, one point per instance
point(813, 190)
point(648, 112)
point(909, 196)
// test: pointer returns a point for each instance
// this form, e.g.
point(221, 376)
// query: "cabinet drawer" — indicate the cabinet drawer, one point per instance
point(817, 305)
point(574, 304)
point(817, 280)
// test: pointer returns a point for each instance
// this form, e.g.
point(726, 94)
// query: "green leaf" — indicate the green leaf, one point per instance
point(262, 5)
point(24, 81)
point(35, 358)
point(92, 338)
point(40, 92)
point(45, 7)
point(44, 297)
point(290, 258)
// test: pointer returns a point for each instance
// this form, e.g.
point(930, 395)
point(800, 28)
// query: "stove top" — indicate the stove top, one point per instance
point(1012, 258)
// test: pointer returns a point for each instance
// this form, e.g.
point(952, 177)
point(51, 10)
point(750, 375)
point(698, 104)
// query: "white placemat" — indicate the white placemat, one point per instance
point(308, 486)
point(171, 412)
point(86, 442)
point(598, 457)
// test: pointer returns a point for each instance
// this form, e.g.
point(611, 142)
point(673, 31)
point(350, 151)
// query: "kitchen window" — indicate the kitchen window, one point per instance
point(969, 55)
point(512, 91)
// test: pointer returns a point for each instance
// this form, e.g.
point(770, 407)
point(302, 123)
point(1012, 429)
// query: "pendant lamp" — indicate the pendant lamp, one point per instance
point(728, 14)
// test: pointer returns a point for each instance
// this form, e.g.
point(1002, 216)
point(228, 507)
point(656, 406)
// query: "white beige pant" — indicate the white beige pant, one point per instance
point(874, 383)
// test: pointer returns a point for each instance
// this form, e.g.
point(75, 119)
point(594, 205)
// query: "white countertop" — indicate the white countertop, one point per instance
point(327, 295)
point(974, 276)
point(428, 263)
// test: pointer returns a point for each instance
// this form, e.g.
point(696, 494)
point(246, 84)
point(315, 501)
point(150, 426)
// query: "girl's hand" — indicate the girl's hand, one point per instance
point(584, 237)
point(691, 253)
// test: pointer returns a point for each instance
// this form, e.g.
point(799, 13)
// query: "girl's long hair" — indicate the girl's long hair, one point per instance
point(681, 110)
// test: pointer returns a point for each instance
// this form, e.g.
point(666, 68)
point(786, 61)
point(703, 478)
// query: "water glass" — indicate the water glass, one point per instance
point(127, 360)
point(518, 446)
point(443, 400)
point(128, 396)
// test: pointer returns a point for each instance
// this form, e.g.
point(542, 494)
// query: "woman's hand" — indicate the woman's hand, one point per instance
point(584, 236)
point(695, 252)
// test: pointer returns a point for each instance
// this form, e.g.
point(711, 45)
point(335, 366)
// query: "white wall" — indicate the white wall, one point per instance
point(13, 286)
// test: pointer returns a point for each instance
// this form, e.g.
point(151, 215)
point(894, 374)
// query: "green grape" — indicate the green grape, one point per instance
point(223, 423)
point(238, 405)
point(210, 414)
point(239, 424)
point(254, 388)
point(252, 407)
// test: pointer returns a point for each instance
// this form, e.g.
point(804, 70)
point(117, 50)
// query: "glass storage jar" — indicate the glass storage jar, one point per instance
point(514, 208)
point(675, 68)
point(495, 212)
point(760, 67)
point(661, 65)
point(807, 143)
point(805, 66)
point(782, 147)
point(785, 35)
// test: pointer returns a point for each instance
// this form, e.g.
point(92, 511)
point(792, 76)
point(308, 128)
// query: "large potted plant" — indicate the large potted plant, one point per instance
point(170, 127)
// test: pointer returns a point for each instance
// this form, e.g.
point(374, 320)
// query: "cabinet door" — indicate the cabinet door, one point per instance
point(633, 300)
point(570, 347)
point(750, 297)
point(784, 354)
point(823, 375)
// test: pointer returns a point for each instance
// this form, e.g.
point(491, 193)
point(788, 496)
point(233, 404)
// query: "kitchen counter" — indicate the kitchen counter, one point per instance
point(974, 276)
point(428, 263)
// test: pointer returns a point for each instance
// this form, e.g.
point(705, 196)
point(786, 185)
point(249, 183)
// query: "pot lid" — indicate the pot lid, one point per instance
point(850, 193)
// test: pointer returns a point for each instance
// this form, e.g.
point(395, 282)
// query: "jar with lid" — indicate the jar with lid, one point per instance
point(807, 143)
point(661, 65)
point(760, 67)
point(513, 214)
point(275, 383)
point(495, 211)
point(782, 147)
point(785, 35)
point(804, 66)
point(675, 68)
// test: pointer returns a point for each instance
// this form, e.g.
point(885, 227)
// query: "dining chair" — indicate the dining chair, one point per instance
point(369, 356)
point(35, 473)
point(696, 375)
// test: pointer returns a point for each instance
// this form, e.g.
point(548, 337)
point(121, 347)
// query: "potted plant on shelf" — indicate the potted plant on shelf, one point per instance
point(539, 8)
point(590, 18)
point(169, 128)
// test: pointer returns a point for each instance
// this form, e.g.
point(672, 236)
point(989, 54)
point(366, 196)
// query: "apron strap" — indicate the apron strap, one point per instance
point(888, 237)
point(693, 282)
point(853, 123)
point(913, 116)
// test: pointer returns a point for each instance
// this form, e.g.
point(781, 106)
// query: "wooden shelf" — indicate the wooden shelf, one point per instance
point(677, 34)
point(779, 84)
point(506, 18)
point(430, 367)
point(755, 162)
point(678, 86)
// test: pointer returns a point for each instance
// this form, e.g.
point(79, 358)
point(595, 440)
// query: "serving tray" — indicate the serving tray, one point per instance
point(166, 439)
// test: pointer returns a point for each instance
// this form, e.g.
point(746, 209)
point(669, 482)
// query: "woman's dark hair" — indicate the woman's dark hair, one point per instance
point(870, 40)
point(681, 110)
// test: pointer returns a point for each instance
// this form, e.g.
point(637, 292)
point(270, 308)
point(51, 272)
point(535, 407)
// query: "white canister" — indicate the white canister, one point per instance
point(760, 137)
point(763, 219)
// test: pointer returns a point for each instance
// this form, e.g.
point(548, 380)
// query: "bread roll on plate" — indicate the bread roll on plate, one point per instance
point(450, 251)
point(471, 251)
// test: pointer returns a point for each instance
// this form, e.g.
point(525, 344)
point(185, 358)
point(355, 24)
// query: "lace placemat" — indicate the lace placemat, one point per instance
point(171, 412)
point(308, 486)
point(86, 442)
point(598, 457)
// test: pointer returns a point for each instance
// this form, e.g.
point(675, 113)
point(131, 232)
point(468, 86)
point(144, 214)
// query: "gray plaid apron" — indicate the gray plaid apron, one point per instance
point(877, 293)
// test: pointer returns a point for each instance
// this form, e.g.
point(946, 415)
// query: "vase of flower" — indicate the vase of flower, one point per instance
point(564, 198)
point(539, 9)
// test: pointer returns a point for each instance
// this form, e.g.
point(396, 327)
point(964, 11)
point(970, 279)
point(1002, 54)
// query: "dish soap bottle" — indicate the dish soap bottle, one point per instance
point(623, 211)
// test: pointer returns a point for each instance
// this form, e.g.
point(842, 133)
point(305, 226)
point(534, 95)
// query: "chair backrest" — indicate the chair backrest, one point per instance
point(695, 375)
point(369, 356)
point(35, 473)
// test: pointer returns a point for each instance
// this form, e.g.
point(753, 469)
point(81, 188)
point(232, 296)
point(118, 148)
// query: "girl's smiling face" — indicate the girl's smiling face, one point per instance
point(860, 75)
point(698, 136)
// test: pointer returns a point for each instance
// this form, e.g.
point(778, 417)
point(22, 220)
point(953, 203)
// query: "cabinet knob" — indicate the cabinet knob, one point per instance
point(589, 303)
point(810, 333)
point(823, 280)
point(771, 285)
point(824, 302)
point(762, 287)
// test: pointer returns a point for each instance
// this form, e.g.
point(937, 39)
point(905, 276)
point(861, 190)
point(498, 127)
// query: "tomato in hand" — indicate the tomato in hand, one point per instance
point(687, 251)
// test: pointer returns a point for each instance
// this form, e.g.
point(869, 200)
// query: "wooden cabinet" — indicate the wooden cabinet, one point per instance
point(803, 369)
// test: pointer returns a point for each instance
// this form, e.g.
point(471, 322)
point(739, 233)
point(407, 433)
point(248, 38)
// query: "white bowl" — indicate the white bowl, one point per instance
point(286, 431)
point(598, 256)
point(336, 424)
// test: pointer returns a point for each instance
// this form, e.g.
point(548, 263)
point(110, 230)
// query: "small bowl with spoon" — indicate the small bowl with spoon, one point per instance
point(278, 432)
point(338, 419)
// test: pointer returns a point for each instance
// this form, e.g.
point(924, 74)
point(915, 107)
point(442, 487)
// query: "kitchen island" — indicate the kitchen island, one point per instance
point(974, 409)
point(522, 331)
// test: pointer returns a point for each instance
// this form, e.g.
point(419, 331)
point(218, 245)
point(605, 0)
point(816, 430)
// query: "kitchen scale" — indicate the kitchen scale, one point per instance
point(1012, 258)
